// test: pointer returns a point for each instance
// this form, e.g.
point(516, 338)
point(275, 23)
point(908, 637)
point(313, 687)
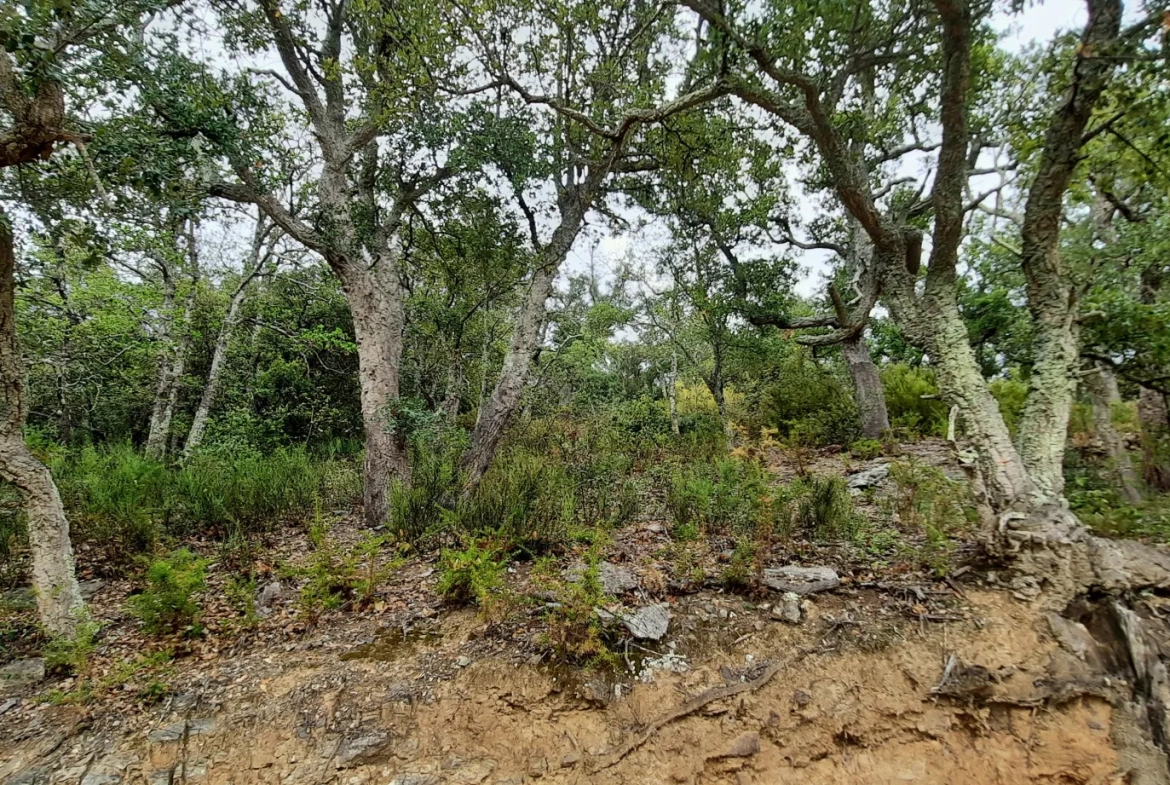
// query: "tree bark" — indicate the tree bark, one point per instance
point(867, 387)
point(498, 412)
point(672, 393)
point(231, 319)
point(53, 572)
point(173, 358)
point(1101, 386)
point(1051, 295)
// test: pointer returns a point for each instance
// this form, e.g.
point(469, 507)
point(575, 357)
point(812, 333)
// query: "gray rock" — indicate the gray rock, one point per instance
point(801, 580)
point(201, 726)
point(162, 777)
point(463, 661)
point(363, 749)
point(537, 766)
point(90, 588)
point(399, 692)
point(100, 778)
point(615, 579)
point(570, 760)
point(269, 595)
point(168, 733)
point(1076, 639)
point(745, 746)
point(8, 705)
point(788, 609)
point(869, 478)
point(650, 622)
point(21, 672)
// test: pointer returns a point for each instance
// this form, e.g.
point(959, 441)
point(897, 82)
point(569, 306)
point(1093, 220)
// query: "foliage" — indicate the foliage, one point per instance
point(730, 495)
point(474, 574)
point(925, 500)
point(71, 655)
point(819, 508)
point(913, 402)
point(576, 633)
point(166, 603)
point(337, 577)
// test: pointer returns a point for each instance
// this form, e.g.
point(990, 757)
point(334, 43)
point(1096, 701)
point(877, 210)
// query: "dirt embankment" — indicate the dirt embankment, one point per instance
point(861, 699)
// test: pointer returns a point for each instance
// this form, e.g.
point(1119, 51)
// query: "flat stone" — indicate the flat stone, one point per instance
point(570, 760)
point(537, 766)
point(21, 672)
point(744, 746)
point(463, 661)
point(801, 580)
point(170, 732)
point(100, 778)
point(90, 588)
point(788, 609)
point(615, 579)
point(201, 726)
point(162, 777)
point(1076, 639)
point(868, 478)
point(649, 622)
point(363, 749)
point(270, 594)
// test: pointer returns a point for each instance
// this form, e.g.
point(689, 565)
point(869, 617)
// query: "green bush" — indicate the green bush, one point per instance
point(1011, 395)
point(474, 574)
point(71, 655)
point(167, 601)
point(819, 508)
point(867, 449)
point(730, 495)
point(925, 499)
point(122, 502)
point(337, 577)
point(912, 400)
point(812, 403)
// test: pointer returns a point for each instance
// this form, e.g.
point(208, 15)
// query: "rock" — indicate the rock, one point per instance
point(1076, 639)
point(18, 673)
point(875, 475)
point(615, 579)
point(463, 661)
point(399, 692)
point(788, 609)
point(655, 528)
point(162, 777)
point(168, 733)
point(801, 580)
point(201, 727)
point(90, 588)
point(473, 773)
point(23, 598)
point(268, 596)
point(801, 698)
point(8, 705)
point(570, 760)
point(100, 778)
point(650, 622)
point(745, 746)
point(363, 749)
point(537, 766)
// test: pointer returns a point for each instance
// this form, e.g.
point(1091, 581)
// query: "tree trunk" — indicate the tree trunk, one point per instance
point(1101, 385)
point(173, 359)
point(961, 382)
point(375, 303)
point(867, 387)
point(222, 343)
point(53, 574)
point(1152, 414)
point(672, 393)
point(497, 413)
point(451, 399)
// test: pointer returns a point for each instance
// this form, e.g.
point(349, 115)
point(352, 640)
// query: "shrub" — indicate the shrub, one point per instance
point(523, 501)
point(812, 403)
point(474, 574)
point(912, 400)
point(867, 449)
point(925, 499)
point(819, 508)
point(731, 494)
point(576, 633)
point(167, 602)
point(336, 577)
point(71, 655)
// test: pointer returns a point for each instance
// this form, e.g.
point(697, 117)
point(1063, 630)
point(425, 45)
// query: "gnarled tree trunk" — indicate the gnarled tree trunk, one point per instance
point(53, 572)
point(867, 387)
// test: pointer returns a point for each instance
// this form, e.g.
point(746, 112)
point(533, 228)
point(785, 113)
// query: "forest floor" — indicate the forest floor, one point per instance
point(890, 677)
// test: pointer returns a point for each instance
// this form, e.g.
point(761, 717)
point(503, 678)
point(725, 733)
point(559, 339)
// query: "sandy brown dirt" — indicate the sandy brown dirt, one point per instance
point(853, 709)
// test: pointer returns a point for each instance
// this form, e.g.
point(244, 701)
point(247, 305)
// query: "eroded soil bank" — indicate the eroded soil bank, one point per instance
point(862, 699)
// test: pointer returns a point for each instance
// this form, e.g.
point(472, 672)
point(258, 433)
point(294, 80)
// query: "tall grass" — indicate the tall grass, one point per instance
point(122, 502)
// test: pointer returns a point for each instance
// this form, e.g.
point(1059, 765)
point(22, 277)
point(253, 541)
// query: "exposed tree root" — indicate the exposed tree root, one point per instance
point(690, 707)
